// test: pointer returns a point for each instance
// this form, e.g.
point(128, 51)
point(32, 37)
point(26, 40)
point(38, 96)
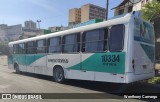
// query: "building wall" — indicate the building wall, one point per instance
point(136, 7)
point(14, 32)
point(141, 4)
point(74, 16)
point(90, 11)
point(27, 32)
point(2, 35)
point(3, 32)
point(85, 13)
point(57, 28)
point(10, 33)
point(30, 24)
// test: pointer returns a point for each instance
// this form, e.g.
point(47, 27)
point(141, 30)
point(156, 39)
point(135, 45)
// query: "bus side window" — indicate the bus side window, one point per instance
point(54, 45)
point(15, 48)
point(31, 47)
point(21, 48)
point(41, 46)
point(116, 41)
point(71, 43)
point(95, 40)
point(10, 51)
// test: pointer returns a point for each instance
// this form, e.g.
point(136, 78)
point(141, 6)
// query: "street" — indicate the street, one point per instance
point(10, 82)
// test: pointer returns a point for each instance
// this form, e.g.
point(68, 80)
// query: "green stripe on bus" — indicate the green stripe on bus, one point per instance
point(103, 62)
point(149, 50)
point(28, 59)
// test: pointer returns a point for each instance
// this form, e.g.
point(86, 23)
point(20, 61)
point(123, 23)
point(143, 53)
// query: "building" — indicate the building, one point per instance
point(30, 29)
point(2, 35)
point(27, 32)
point(85, 13)
point(57, 28)
point(10, 33)
point(127, 6)
point(3, 32)
point(90, 11)
point(74, 16)
point(30, 24)
point(14, 32)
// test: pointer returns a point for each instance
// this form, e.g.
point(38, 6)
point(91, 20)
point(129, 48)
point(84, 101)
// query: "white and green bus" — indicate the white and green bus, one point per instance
point(119, 50)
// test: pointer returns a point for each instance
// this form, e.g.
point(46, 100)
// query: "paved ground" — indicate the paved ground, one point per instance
point(10, 82)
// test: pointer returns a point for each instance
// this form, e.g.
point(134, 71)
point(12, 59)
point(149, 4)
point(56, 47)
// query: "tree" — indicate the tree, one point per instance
point(151, 12)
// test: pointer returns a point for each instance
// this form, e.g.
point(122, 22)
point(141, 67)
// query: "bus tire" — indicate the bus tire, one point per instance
point(16, 67)
point(58, 74)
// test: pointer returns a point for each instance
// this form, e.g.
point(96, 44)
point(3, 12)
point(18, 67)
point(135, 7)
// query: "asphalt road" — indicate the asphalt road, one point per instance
point(10, 82)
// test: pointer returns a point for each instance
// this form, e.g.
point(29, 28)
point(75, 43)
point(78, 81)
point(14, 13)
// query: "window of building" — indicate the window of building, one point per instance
point(41, 46)
point(95, 40)
point(31, 49)
point(143, 3)
point(54, 45)
point(21, 48)
point(120, 11)
point(116, 38)
point(71, 43)
point(130, 8)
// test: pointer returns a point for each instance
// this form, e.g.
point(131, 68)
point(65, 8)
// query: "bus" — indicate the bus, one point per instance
point(119, 50)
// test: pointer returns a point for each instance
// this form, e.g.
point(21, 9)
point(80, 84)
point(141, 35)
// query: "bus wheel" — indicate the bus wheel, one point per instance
point(58, 74)
point(17, 68)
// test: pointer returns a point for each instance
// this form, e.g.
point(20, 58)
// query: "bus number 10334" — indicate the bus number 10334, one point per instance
point(111, 58)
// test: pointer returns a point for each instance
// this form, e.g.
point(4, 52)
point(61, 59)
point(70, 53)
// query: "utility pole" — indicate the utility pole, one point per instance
point(107, 4)
point(38, 21)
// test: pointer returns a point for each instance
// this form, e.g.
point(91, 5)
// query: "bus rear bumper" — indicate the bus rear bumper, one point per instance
point(131, 77)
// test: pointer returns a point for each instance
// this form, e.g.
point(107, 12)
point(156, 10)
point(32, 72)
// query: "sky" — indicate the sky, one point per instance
point(50, 12)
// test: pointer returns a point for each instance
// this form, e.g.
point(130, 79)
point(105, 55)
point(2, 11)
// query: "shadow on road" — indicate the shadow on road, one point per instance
point(111, 88)
point(137, 87)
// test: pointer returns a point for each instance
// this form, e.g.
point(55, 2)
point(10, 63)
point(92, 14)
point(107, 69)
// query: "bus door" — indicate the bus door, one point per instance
point(30, 56)
point(71, 57)
point(94, 45)
point(22, 57)
point(40, 57)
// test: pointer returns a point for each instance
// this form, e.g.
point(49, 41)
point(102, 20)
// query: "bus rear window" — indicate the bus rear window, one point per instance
point(116, 38)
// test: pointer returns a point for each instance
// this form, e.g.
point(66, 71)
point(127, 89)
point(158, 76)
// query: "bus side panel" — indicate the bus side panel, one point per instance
point(95, 66)
point(10, 62)
point(40, 64)
point(143, 58)
point(63, 60)
point(21, 61)
point(30, 59)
